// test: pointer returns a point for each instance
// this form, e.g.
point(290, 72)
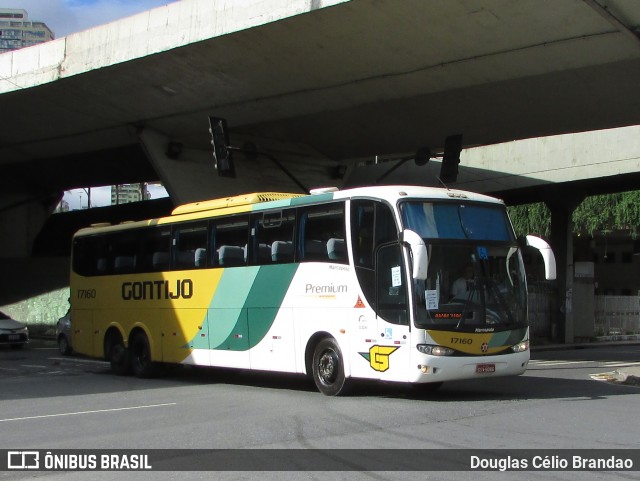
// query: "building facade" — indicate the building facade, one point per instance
point(125, 193)
point(17, 31)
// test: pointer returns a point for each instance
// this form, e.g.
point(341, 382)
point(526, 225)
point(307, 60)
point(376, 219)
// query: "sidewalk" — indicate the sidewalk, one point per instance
point(629, 375)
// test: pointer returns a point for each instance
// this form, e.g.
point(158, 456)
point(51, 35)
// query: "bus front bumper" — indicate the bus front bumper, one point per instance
point(427, 368)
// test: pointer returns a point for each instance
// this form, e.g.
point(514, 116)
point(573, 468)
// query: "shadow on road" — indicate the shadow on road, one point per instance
point(42, 373)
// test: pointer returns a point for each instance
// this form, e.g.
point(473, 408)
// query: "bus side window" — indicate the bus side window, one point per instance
point(190, 245)
point(322, 233)
point(229, 238)
point(272, 239)
point(155, 249)
point(90, 255)
point(125, 252)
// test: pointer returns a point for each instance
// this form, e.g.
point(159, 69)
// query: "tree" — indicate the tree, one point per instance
point(619, 211)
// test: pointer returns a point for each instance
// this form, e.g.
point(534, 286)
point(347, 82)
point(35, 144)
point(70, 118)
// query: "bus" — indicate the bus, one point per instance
point(338, 285)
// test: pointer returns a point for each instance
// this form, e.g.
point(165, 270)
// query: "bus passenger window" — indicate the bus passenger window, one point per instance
point(190, 245)
point(230, 236)
point(90, 256)
point(156, 243)
point(272, 237)
point(125, 252)
point(322, 232)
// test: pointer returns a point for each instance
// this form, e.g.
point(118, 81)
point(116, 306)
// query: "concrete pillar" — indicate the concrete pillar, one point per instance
point(562, 208)
point(23, 218)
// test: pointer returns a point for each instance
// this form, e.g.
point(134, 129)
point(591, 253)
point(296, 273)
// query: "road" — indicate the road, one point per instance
point(49, 401)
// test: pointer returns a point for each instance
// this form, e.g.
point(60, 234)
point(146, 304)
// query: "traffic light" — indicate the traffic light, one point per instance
point(451, 158)
point(220, 143)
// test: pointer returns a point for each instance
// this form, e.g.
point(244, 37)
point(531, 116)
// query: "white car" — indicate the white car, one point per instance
point(12, 332)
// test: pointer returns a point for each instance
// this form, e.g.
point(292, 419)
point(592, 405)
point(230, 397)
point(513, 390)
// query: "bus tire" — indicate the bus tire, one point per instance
point(328, 368)
point(119, 358)
point(141, 363)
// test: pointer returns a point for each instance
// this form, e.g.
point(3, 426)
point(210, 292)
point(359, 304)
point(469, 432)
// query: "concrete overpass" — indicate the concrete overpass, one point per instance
point(318, 83)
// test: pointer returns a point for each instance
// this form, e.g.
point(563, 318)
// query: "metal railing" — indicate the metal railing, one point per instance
point(617, 315)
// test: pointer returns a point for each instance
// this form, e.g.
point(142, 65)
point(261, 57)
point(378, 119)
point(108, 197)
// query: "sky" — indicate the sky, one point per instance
point(70, 16)
point(64, 17)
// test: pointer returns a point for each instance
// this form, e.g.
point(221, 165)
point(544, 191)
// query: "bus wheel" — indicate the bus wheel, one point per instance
point(119, 358)
point(141, 362)
point(328, 368)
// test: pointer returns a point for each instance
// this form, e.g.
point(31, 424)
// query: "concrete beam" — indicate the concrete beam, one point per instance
point(191, 176)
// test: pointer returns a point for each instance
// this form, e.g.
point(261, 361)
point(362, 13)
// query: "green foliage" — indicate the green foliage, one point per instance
point(620, 211)
point(596, 213)
point(531, 219)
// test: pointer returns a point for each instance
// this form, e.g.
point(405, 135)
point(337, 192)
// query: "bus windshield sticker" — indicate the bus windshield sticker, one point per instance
point(396, 278)
point(431, 295)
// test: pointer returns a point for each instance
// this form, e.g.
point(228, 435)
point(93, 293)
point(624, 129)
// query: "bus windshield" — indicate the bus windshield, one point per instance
point(457, 220)
point(476, 280)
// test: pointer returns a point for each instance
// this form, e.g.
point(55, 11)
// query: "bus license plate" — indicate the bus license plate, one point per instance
point(482, 368)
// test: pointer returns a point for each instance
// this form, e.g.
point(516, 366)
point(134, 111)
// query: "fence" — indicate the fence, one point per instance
point(616, 315)
point(541, 308)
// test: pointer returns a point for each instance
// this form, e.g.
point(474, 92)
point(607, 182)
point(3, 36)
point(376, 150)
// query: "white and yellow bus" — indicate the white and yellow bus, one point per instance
point(337, 284)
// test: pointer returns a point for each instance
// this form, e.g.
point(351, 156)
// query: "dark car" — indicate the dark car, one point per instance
point(63, 334)
point(12, 332)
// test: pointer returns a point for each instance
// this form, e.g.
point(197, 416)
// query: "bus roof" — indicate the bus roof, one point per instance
point(393, 193)
point(234, 201)
point(266, 200)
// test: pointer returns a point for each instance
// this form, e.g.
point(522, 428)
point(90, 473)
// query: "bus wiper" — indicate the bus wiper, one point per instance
point(467, 303)
point(500, 297)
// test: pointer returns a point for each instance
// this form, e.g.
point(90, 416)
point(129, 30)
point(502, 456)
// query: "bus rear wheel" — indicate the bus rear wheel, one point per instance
point(118, 357)
point(328, 368)
point(141, 363)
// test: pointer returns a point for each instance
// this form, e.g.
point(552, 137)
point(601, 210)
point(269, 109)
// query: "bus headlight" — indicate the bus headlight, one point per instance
point(435, 350)
point(521, 347)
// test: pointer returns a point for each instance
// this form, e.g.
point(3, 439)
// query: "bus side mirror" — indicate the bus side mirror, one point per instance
point(419, 256)
point(547, 255)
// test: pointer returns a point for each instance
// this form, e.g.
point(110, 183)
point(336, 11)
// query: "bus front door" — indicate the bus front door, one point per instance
point(391, 355)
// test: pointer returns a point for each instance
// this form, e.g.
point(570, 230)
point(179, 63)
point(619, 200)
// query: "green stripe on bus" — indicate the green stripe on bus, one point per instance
point(225, 309)
point(265, 298)
point(248, 295)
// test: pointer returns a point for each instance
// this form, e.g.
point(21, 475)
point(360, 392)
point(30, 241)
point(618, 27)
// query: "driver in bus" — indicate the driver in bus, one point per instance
point(463, 285)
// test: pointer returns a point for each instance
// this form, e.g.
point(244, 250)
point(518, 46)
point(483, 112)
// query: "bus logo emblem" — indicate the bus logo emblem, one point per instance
point(485, 347)
point(378, 357)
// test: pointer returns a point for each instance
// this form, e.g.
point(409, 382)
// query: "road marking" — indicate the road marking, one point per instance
point(556, 363)
point(599, 363)
point(34, 365)
point(87, 412)
point(8, 369)
point(622, 364)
